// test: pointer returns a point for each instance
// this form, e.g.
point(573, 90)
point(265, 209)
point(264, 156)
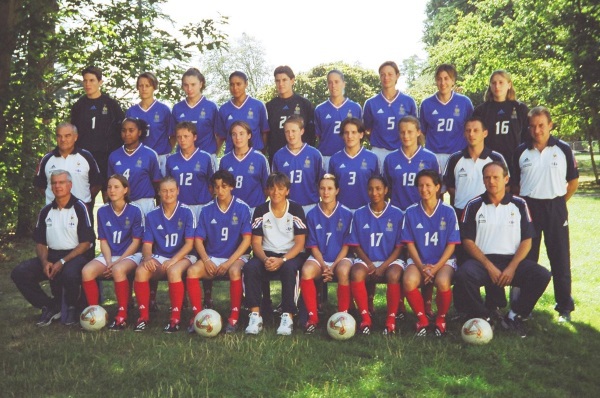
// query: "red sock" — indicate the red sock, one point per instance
point(91, 292)
point(344, 297)
point(122, 293)
point(309, 295)
point(142, 292)
point(393, 299)
point(235, 294)
point(176, 293)
point(416, 302)
point(359, 292)
point(195, 295)
point(427, 292)
point(443, 301)
point(401, 306)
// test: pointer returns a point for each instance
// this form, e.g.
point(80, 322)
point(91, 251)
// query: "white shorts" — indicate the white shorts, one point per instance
point(162, 259)
point(218, 260)
point(451, 262)
point(328, 263)
point(381, 155)
point(162, 163)
point(378, 263)
point(146, 204)
point(136, 258)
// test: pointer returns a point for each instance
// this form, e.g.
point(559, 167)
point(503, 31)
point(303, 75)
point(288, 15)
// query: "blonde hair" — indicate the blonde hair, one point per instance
point(510, 95)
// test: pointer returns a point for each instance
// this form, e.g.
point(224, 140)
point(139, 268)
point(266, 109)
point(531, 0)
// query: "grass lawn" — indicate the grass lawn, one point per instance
point(553, 361)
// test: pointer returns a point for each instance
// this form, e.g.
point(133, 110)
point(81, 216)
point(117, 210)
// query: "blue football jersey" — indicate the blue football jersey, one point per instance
point(252, 112)
point(328, 120)
point(140, 168)
point(251, 173)
point(205, 116)
point(161, 125)
point(400, 173)
point(305, 169)
point(430, 234)
point(119, 230)
point(192, 175)
point(329, 233)
point(353, 175)
point(168, 235)
point(381, 117)
point(222, 231)
point(376, 235)
point(444, 124)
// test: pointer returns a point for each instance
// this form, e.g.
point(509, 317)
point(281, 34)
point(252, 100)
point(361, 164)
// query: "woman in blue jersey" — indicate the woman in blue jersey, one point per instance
point(353, 165)
point(402, 165)
point(328, 234)
point(136, 162)
point(120, 230)
point(196, 108)
point(375, 239)
point(430, 232)
point(161, 125)
point(249, 166)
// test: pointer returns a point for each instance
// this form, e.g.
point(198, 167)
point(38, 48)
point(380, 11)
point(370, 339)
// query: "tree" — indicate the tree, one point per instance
point(245, 54)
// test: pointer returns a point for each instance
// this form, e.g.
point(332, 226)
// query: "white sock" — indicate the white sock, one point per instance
point(512, 315)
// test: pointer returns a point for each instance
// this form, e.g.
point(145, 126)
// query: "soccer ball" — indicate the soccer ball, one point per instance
point(341, 326)
point(477, 331)
point(93, 318)
point(208, 323)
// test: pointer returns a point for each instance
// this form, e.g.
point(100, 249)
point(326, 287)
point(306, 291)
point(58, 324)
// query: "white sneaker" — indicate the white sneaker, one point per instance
point(286, 326)
point(255, 324)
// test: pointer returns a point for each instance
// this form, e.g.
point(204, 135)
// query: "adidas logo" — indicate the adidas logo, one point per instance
point(175, 309)
point(566, 223)
point(285, 107)
point(53, 167)
point(435, 112)
point(501, 112)
point(93, 107)
point(176, 168)
point(213, 221)
point(108, 224)
point(230, 169)
point(419, 226)
point(366, 226)
point(328, 116)
point(319, 227)
point(398, 167)
point(380, 111)
point(182, 115)
point(160, 227)
point(230, 117)
point(286, 164)
point(118, 163)
point(343, 166)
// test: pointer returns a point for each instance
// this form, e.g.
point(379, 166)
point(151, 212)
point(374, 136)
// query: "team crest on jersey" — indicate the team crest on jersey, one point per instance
point(481, 219)
point(156, 117)
point(389, 227)
point(202, 114)
point(179, 224)
point(457, 111)
point(104, 110)
point(363, 164)
point(307, 163)
point(250, 114)
point(235, 220)
point(421, 165)
point(340, 225)
point(514, 114)
point(49, 222)
point(127, 222)
point(349, 114)
point(443, 224)
point(197, 167)
point(138, 163)
point(402, 111)
point(297, 110)
point(251, 168)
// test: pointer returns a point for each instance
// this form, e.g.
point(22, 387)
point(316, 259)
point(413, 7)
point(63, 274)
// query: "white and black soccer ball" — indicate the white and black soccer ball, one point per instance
point(208, 323)
point(477, 331)
point(341, 326)
point(93, 318)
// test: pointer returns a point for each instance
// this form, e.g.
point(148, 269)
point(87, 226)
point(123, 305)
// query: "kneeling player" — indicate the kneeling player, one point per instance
point(328, 234)
point(222, 239)
point(168, 240)
point(376, 240)
point(430, 232)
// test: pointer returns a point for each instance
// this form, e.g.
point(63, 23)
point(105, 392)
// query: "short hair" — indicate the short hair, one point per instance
point(278, 178)
point(224, 176)
point(337, 72)
point(195, 72)
point(389, 63)
point(239, 74)
point(141, 125)
point(59, 172)
point(496, 163)
point(433, 174)
point(150, 76)
point(286, 70)
point(379, 178)
point(245, 126)
point(330, 177)
point(538, 111)
point(474, 118)
point(167, 179)
point(410, 119)
point(123, 182)
point(94, 71)
point(360, 126)
point(448, 68)
point(510, 95)
point(67, 124)
point(186, 125)
point(299, 120)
